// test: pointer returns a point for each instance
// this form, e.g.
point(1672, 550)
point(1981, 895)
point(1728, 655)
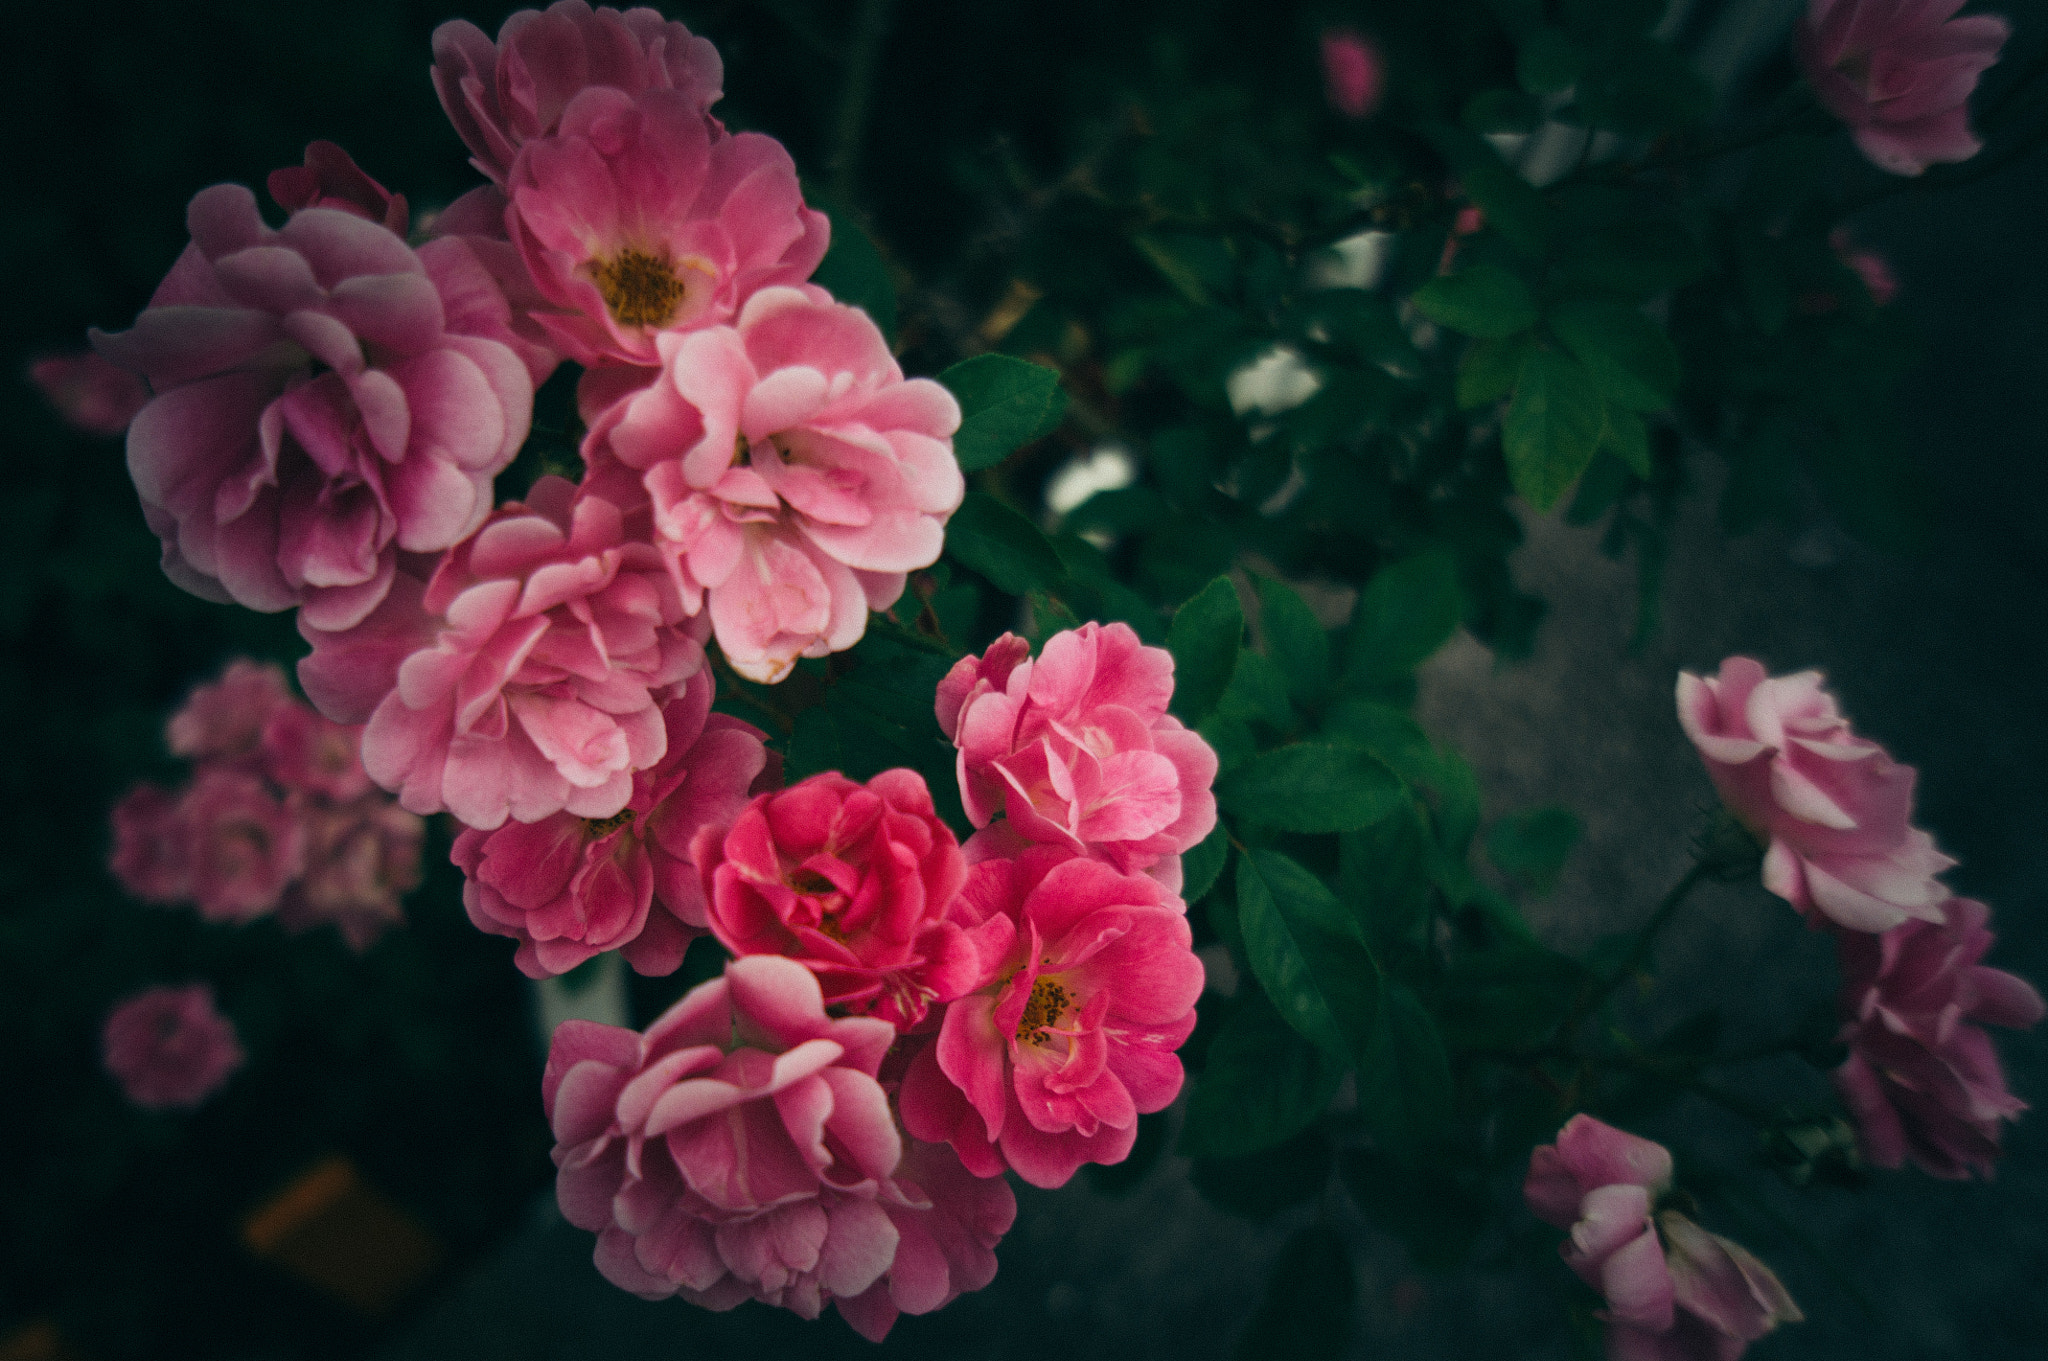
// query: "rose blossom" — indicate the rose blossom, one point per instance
point(330, 178)
point(567, 888)
point(796, 475)
point(301, 750)
point(88, 392)
point(325, 397)
point(224, 720)
point(170, 1047)
point(735, 1149)
point(855, 882)
point(1071, 1035)
point(1834, 808)
point(501, 95)
point(1674, 1291)
point(247, 845)
point(1354, 73)
point(1869, 265)
point(525, 677)
point(361, 860)
point(1900, 73)
point(1078, 749)
point(948, 1222)
point(152, 855)
point(1922, 1079)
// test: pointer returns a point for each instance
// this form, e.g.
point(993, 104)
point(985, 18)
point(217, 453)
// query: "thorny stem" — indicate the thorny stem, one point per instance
point(1639, 948)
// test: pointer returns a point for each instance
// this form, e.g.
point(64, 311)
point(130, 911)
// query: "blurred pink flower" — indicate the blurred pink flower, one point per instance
point(1834, 808)
point(88, 392)
point(855, 882)
point(567, 888)
point(1078, 749)
point(330, 178)
point(247, 845)
point(1922, 1078)
point(170, 1047)
point(525, 678)
point(501, 95)
point(948, 1222)
point(362, 859)
point(796, 476)
point(1900, 73)
point(152, 856)
point(224, 720)
point(1870, 266)
point(1354, 73)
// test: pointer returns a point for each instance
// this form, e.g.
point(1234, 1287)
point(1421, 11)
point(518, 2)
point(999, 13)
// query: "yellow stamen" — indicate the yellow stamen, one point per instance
point(1042, 1010)
point(640, 289)
point(606, 826)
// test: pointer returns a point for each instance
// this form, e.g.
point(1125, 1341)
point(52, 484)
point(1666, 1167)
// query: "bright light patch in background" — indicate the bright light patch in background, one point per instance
point(1106, 467)
point(1358, 261)
point(1278, 380)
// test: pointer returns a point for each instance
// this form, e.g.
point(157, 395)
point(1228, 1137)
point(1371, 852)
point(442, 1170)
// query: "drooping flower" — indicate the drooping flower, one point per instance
point(796, 476)
point(1922, 1078)
point(502, 95)
point(224, 720)
point(734, 1150)
point(567, 888)
point(1834, 809)
point(170, 1047)
point(1354, 73)
point(948, 1222)
point(152, 855)
point(1071, 1035)
point(362, 858)
point(1078, 750)
point(326, 397)
point(525, 677)
point(247, 845)
point(88, 392)
point(1900, 73)
point(856, 882)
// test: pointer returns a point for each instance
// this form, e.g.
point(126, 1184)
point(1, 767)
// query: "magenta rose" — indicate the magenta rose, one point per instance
point(1071, 1035)
point(948, 1222)
point(1674, 1292)
point(303, 751)
point(247, 845)
point(502, 95)
point(1922, 1079)
point(733, 1151)
point(856, 882)
point(1354, 73)
point(224, 720)
point(89, 393)
point(1078, 749)
point(152, 855)
point(1900, 73)
point(1835, 809)
point(567, 888)
point(330, 178)
point(362, 858)
point(170, 1047)
point(525, 677)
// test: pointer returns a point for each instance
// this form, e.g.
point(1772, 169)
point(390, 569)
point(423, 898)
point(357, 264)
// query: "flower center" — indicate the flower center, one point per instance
point(640, 289)
point(1041, 1011)
point(606, 826)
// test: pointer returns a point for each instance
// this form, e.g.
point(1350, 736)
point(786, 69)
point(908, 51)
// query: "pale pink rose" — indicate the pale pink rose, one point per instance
point(796, 476)
point(1834, 808)
point(1870, 266)
point(635, 221)
point(1078, 749)
point(88, 392)
point(362, 858)
point(855, 882)
point(948, 1222)
point(567, 888)
point(170, 1047)
point(1900, 73)
point(330, 178)
point(224, 720)
point(1354, 73)
point(247, 844)
point(734, 1150)
point(502, 95)
point(1922, 1078)
point(525, 678)
point(152, 856)
point(1071, 1036)
point(303, 751)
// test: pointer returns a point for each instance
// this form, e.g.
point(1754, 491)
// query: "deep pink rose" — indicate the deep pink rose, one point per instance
point(326, 397)
point(170, 1047)
point(502, 95)
point(1071, 1035)
point(567, 888)
point(362, 858)
point(1354, 73)
point(1078, 749)
point(88, 392)
point(948, 1222)
point(152, 856)
point(224, 720)
point(796, 475)
point(525, 677)
point(1900, 73)
point(1835, 809)
point(303, 751)
point(856, 882)
point(330, 178)
point(1922, 1079)
point(635, 221)
point(247, 844)
point(736, 1149)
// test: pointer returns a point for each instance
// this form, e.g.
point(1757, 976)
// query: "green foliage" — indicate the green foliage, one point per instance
point(1204, 642)
point(1002, 545)
point(854, 271)
point(1261, 1084)
point(1632, 362)
point(1484, 301)
point(1311, 1301)
point(1311, 787)
point(1307, 952)
point(1406, 612)
point(1005, 404)
point(1404, 1076)
point(1553, 428)
point(1532, 847)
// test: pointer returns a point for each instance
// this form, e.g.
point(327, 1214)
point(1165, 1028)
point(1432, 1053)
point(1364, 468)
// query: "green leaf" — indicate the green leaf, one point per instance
point(1405, 613)
point(1005, 404)
point(1204, 641)
point(1002, 545)
point(1549, 61)
point(1295, 641)
point(1257, 693)
point(1533, 846)
point(1388, 733)
point(1384, 874)
point(1232, 738)
point(1202, 862)
point(1507, 996)
point(1310, 1306)
point(1502, 111)
point(1632, 361)
point(1117, 1179)
point(853, 271)
point(1553, 427)
point(1489, 368)
point(1404, 1077)
point(1482, 300)
point(1628, 439)
point(1261, 1084)
point(1514, 209)
point(1306, 952)
point(1312, 787)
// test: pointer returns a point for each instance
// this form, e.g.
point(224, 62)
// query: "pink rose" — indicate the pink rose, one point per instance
point(1834, 808)
point(362, 858)
point(170, 1047)
point(303, 751)
point(321, 404)
point(1078, 749)
point(330, 178)
point(796, 475)
point(634, 221)
point(855, 882)
point(525, 677)
point(1922, 1079)
point(225, 719)
point(1354, 73)
point(152, 856)
point(1870, 266)
point(948, 1222)
point(88, 392)
point(502, 95)
point(1071, 1035)
point(567, 888)
point(734, 1150)
point(1900, 73)
point(247, 845)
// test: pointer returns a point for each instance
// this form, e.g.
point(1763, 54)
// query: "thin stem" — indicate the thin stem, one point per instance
point(1639, 948)
point(858, 94)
